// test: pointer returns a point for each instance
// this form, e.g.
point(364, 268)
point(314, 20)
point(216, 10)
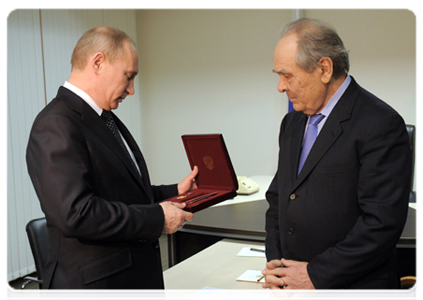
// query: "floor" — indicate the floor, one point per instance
point(32, 292)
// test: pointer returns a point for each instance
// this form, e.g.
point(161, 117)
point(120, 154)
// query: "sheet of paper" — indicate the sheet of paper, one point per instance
point(209, 293)
point(246, 251)
point(251, 276)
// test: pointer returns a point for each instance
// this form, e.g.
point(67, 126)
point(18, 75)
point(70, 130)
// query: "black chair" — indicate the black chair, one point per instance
point(411, 130)
point(38, 240)
point(410, 288)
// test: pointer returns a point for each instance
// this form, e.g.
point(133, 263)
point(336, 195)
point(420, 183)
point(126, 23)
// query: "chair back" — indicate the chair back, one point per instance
point(410, 288)
point(38, 240)
point(411, 129)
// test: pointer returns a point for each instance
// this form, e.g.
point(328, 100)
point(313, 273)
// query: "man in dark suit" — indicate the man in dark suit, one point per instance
point(334, 216)
point(102, 212)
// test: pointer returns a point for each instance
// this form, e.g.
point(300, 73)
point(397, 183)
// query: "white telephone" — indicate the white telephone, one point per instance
point(246, 186)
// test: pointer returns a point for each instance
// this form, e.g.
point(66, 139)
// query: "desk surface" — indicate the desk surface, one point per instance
point(222, 267)
point(263, 182)
point(247, 221)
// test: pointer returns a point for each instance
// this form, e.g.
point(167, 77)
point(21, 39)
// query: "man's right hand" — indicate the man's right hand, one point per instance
point(175, 217)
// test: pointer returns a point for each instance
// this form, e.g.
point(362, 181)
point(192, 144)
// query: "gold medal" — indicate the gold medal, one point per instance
point(184, 196)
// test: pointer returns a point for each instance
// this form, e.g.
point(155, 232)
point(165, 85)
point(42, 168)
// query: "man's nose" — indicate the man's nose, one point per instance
point(130, 89)
point(282, 86)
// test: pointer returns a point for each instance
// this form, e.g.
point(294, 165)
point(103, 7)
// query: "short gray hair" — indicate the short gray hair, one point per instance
point(108, 40)
point(316, 40)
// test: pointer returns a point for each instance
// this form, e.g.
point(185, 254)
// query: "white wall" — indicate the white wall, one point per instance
point(208, 71)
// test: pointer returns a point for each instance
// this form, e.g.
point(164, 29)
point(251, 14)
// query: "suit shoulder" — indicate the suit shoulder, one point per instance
point(373, 117)
point(369, 104)
point(63, 104)
point(54, 115)
point(291, 117)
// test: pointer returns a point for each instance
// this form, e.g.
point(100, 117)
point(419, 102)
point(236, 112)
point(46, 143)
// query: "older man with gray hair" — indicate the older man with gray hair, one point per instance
point(339, 200)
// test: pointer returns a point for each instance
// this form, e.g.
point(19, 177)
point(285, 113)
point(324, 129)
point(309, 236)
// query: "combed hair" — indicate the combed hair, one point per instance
point(107, 40)
point(316, 40)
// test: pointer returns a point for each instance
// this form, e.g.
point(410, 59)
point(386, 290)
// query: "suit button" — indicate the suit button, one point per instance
point(292, 197)
point(291, 230)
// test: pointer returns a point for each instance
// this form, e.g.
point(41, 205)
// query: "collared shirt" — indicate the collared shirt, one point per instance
point(331, 104)
point(84, 97)
point(98, 110)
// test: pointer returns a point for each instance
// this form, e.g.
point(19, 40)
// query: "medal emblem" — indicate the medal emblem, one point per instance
point(208, 161)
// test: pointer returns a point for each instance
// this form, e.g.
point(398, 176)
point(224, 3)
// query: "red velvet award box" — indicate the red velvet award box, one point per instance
point(216, 180)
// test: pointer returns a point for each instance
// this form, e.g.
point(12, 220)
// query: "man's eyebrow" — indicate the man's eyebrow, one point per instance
point(133, 74)
point(281, 72)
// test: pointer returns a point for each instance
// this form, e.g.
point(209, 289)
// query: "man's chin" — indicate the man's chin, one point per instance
point(115, 105)
point(298, 107)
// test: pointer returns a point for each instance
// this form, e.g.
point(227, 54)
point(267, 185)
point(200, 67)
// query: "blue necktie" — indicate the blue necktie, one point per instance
point(310, 137)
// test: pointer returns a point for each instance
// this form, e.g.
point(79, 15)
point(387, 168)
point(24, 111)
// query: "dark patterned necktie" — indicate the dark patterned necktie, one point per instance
point(309, 138)
point(110, 122)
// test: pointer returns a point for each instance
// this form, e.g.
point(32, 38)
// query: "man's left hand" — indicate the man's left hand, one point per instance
point(287, 274)
point(188, 183)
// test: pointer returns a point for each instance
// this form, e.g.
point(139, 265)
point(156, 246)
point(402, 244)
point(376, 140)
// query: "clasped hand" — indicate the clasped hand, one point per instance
point(287, 274)
point(175, 216)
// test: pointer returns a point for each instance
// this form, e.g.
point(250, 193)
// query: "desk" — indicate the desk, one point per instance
point(408, 235)
point(223, 267)
point(243, 218)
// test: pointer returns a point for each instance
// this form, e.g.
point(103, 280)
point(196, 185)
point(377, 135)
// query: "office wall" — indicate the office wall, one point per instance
point(208, 71)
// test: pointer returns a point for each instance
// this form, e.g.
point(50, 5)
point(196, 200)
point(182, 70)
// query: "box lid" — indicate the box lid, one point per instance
point(208, 152)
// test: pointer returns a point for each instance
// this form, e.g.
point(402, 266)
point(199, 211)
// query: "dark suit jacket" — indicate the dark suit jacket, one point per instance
point(102, 220)
point(345, 211)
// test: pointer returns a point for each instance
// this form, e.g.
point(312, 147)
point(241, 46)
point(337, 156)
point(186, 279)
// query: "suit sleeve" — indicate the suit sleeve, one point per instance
point(383, 190)
point(163, 192)
point(273, 242)
point(273, 248)
point(61, 170)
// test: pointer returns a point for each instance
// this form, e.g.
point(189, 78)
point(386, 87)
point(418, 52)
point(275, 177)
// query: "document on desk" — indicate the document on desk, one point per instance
point(251, 276)
point(252, 251)
point(209, 293)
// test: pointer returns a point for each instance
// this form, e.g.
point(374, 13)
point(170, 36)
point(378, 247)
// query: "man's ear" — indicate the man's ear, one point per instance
point(97, 62)
point(326, 66)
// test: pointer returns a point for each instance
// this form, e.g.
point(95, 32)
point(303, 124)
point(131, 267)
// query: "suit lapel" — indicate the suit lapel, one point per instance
point(330, 131)
point(296, 144)
point(97, 125)
point(327, 136)
point(145, 181)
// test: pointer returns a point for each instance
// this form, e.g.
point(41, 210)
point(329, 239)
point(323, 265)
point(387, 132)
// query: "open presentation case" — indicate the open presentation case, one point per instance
point(216, 180)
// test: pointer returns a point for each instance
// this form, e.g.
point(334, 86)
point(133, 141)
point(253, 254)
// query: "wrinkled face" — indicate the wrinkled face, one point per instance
point(118, 79)
point(306, 90)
